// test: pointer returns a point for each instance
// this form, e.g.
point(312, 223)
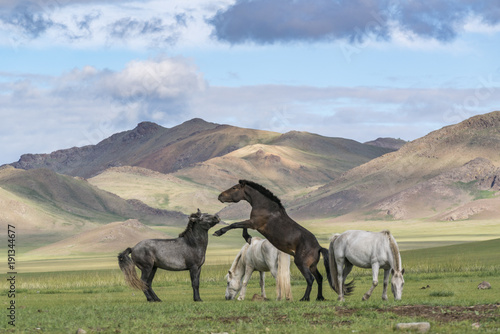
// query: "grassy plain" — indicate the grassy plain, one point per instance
point(98, 301)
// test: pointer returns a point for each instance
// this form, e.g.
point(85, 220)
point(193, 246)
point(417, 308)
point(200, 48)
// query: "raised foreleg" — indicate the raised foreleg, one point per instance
point(243, 224)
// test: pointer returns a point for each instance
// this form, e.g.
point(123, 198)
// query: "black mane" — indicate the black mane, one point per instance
point(264, 191)
point(188, 233)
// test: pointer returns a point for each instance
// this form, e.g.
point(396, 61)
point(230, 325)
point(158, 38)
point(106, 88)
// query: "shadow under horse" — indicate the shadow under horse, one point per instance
point(268, 216)
point(187, 252)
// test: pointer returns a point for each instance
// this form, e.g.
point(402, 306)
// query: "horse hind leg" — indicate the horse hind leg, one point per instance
point(147, 277)
point(150, 283)
point(319, 280)
point(306, 272)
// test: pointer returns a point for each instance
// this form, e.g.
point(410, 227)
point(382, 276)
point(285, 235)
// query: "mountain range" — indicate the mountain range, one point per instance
point(159, 175)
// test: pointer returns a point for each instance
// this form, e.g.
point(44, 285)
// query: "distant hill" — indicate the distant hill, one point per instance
point(112, 237)
point(290, 164)
point(41, 199)
point(438, 173)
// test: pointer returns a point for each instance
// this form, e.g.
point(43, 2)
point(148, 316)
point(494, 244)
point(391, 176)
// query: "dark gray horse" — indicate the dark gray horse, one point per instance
point(187, 252)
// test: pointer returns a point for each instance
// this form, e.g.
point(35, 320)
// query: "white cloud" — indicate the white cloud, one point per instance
point(82, 24)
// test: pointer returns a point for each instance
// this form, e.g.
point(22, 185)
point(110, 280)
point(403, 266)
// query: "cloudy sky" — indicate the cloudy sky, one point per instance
point(73, 72)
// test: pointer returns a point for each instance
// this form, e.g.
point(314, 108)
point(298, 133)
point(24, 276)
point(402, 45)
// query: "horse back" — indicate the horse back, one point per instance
point(362, 248)
point(168, 254)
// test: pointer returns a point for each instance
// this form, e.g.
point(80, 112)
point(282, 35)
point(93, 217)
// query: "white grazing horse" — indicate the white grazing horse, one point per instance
point(366, 250)
point(258, 254)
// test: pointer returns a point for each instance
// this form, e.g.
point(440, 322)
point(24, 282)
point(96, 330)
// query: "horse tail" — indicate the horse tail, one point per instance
point(283, 285)
point(127, 266)
point(246, 236)
point(333, 265)
point(326, 260)
point(348, 287)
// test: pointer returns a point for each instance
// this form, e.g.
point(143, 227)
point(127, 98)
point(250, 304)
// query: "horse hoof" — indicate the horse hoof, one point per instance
point(304, 299)
point(218, 233)
point(320, 299)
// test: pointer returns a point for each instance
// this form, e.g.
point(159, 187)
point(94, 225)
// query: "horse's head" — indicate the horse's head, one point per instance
point(234, 194)
point(397, 283)
point(233, 285)
point(207, 221)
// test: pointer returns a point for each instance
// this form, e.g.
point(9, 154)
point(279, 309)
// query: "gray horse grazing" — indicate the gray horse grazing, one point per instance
point(258, 254)
point(366, 250)
point(187, 252)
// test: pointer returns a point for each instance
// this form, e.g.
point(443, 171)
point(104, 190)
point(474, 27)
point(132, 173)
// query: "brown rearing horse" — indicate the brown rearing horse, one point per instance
point(269, 217)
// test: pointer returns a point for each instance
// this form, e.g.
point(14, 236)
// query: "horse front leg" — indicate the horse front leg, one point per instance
point(246, 278)
point(262, 282)
point(386, 283)
point(375, 268)
point(243, 224)
point(194, 273)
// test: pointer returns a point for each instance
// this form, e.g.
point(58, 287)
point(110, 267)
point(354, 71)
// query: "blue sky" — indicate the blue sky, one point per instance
point(73, 72)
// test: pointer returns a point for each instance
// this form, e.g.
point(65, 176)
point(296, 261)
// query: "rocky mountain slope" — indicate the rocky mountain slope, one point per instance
point(168, 150)
point(426, 177)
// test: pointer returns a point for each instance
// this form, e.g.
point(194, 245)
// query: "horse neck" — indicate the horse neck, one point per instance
point(396, 258)
point(239, 265)
point(260, 201)
point(198, 236)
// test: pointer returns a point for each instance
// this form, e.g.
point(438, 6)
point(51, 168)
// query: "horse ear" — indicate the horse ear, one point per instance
point(198, 213)
point(230, 274)
point(403, 271)
point(392, 271)
point(242, 183)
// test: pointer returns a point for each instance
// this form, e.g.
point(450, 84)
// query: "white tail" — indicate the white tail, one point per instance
point(283, 286)
point(333, 263)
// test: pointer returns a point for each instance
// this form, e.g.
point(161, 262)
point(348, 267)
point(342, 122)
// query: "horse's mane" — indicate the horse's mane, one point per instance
point(188, 232)
point(238, 257)
point(394, 249)
point(264, 191)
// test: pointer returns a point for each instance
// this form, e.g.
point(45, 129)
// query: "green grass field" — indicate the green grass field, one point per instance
point(98, 301)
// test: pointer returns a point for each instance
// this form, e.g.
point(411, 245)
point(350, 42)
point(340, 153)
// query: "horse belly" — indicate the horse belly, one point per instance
point(258, 255)
point(175, 258)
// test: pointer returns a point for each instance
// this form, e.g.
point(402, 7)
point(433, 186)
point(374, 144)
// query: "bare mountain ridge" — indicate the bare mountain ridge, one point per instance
point(168, 150)
point(124, 148)
point(72, 203)
point(363, 188)
point(391, 143)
